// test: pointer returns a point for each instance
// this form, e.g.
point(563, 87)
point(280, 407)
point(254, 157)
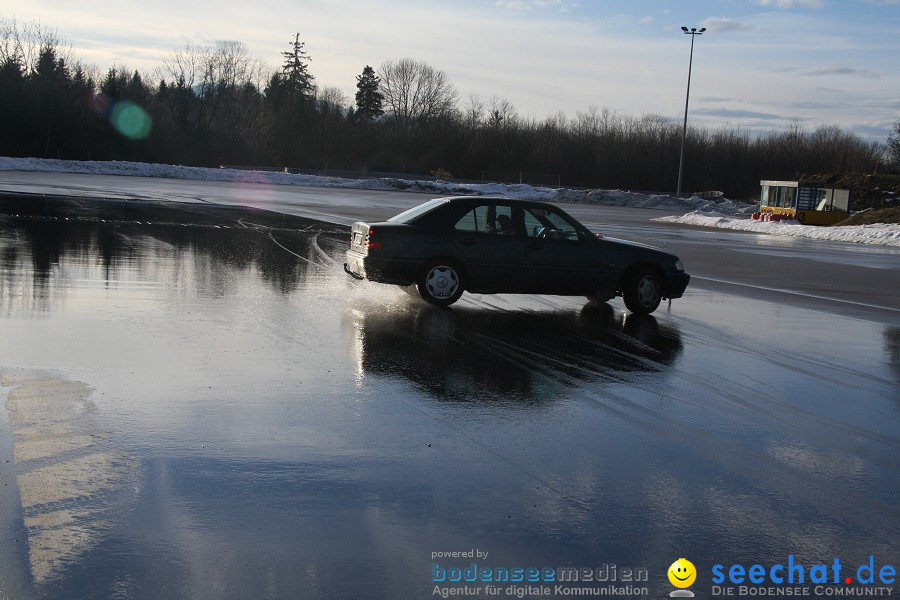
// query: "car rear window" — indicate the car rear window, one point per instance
point(408, 216)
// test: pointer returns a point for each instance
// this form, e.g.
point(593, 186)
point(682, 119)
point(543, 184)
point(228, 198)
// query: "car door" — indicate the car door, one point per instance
point(559, 257)
point(491, 240)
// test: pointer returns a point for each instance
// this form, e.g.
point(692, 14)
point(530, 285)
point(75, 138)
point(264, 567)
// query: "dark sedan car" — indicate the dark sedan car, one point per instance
point(498, 245)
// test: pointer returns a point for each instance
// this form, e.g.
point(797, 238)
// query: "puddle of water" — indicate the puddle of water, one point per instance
point(261, 425)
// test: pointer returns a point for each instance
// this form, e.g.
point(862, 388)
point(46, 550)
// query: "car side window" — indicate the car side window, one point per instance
point(547, 224)
point(503, 221)
point(491, 219)
point(533, 225)
point(475, 220)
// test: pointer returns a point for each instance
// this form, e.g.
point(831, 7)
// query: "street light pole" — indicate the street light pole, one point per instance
point(693, 32)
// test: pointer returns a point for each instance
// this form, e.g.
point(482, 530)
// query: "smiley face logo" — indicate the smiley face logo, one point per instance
point(682, 573)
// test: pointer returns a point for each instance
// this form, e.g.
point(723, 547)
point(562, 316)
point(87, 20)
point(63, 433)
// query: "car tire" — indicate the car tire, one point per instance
point(642, 290)
point(441, 283)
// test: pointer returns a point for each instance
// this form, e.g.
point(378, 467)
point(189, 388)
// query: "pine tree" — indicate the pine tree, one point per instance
point(290, 96)
point(14, 107)
point(50, 82)
point(368, 98)
point(295, 71)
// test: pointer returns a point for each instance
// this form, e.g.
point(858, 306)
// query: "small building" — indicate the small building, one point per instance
point(808, 205)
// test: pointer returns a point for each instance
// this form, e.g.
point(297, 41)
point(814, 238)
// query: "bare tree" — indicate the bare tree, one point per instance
point(415, 92)
point(233, 66)
point(893, 148)
point(23, 44)
point(331, 98)
point(473, 112)
point(501, 113)
point(589, 125)
point(206, 78)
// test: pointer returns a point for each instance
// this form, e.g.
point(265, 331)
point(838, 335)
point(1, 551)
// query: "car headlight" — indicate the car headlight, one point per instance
point(679, 266)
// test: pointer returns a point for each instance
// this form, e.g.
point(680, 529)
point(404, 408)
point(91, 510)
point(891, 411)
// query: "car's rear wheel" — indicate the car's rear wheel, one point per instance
point(441, 283)
point(642, 290)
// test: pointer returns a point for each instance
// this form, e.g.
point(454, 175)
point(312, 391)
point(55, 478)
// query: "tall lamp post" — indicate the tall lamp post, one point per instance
point(693, 32)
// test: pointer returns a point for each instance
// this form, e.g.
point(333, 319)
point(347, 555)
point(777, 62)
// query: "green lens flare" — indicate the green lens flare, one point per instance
point(130, 120)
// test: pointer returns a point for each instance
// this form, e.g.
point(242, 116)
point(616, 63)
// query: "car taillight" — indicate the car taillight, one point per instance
point(372, 242)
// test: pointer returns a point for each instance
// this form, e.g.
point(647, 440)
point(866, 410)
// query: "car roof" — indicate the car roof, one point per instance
point(442, 207)
point(505, 200)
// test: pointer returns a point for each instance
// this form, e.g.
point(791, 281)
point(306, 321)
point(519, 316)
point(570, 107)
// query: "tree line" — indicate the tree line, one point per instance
point(218, 105)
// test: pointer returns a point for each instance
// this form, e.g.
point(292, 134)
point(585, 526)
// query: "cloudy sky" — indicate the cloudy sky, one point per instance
point(762, 65)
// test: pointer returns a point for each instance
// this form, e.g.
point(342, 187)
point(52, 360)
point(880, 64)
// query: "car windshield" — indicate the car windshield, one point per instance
point(408, 216)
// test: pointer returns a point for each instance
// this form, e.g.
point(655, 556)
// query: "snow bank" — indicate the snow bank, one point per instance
point(879, 233)
point(135, 169)
point(655, 201)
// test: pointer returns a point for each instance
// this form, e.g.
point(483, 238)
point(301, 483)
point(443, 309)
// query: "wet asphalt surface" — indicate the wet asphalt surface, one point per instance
point(199, 403)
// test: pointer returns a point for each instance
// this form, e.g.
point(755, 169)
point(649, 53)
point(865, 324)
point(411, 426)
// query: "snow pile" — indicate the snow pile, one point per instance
point(656, 201)
point(879, 233)
point(522, 191)
point(135, 169)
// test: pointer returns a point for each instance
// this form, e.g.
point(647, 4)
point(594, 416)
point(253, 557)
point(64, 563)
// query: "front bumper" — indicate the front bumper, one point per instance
point(676, 283)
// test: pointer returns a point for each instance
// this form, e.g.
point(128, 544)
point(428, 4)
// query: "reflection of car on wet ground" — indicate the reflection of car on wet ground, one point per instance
point(498, 245)
point(518, 357)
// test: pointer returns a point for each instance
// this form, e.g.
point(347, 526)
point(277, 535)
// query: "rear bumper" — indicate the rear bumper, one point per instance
point(351, 273)
point(676, 283)
point(361, 266)
point(355, 265)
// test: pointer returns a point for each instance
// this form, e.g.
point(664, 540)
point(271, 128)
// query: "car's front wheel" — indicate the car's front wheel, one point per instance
point(642, 290)
point(441, 283)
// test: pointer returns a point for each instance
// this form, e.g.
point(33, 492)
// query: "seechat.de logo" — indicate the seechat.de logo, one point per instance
point(682, 574)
